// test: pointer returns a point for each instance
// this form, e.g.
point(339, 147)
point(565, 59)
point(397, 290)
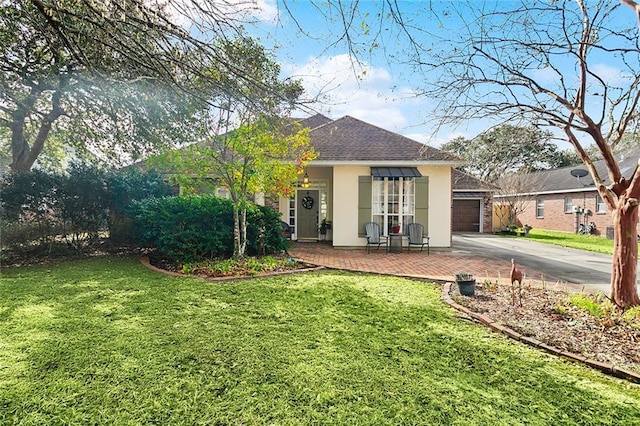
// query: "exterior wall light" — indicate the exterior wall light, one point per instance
point(305, 181)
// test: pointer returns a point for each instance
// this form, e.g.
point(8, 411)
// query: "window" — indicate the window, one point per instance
point(568, 205)
point(600, 205)
point(292, 213)
point(539, 208)
point(393, 203)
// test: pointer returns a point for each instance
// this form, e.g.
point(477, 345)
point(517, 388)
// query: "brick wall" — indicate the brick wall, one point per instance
point(487, 215)
point(555, 217)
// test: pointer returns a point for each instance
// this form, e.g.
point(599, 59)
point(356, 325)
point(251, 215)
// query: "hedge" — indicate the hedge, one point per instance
point(192, 228)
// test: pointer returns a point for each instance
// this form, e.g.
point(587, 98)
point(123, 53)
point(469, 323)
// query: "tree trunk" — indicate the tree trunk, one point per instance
point(23, 155)
point(243, 230)
point(236, 232)
point(239, 232)
point(624, 292)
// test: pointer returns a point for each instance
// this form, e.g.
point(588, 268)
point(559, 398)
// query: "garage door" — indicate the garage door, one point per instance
point(466, 215)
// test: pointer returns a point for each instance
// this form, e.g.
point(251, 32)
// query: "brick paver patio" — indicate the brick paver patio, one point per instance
point(438, 266)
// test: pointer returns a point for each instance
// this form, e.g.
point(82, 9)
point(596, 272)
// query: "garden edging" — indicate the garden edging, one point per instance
point(144, 260)
point(499, 327)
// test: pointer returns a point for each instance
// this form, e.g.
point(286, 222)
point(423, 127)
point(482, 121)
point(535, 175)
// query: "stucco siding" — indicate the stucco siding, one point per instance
point(345, 205)
point(439, 205)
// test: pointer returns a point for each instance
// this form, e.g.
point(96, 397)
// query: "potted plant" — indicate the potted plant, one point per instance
point(324, 225)
point(466, 284)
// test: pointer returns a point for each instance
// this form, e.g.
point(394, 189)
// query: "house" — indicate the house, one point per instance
point(472, 203)
point(364, 173)
point(564, 199)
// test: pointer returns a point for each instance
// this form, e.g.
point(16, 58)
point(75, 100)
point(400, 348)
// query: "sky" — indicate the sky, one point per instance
point(377, 88)
point(373, 90)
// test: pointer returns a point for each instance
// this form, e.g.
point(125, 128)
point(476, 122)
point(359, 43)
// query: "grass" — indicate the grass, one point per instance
point(594, 243)
point(105, 341)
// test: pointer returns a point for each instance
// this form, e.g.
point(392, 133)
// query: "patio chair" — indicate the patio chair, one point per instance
point(374, 236)
point(287, 230)
point(415, 232)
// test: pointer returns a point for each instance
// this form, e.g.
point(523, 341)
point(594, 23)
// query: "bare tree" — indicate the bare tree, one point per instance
point(573, 65)
point(514, 195)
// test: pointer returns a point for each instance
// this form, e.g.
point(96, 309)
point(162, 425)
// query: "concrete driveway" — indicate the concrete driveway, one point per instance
point(591, 270)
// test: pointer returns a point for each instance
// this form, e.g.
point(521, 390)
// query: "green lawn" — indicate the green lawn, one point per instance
point(105, 341)
point(593, 243)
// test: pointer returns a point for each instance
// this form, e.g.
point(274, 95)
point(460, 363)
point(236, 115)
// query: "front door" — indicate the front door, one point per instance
point(308, 214)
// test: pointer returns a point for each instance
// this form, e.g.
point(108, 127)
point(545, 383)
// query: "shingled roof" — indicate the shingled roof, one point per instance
point(348, 139)
point(313, 121)
point(561, 180)
point(465, 182)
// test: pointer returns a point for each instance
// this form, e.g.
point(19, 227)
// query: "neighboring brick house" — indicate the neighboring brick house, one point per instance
point(564, 199)
point(472, 203)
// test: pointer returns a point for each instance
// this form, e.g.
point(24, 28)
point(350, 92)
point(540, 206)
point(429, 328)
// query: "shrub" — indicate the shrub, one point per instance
point(192, 228)
point(264, 231)
point(83, 199)
point(125, 186)
point(29, 195)
point(185, 229)
point(38, 206)
point(29, 211)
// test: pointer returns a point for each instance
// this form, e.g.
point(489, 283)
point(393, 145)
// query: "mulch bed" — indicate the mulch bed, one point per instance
point(546, 315)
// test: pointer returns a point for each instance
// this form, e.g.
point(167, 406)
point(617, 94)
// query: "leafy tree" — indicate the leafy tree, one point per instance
point(507, 149)
point(114, 80)
point(243, 146)
point(255, 158)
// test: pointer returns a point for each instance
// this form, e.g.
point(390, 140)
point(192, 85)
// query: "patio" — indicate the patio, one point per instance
point(437, 266)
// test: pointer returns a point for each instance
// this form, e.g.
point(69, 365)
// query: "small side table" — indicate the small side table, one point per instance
point(395, 242)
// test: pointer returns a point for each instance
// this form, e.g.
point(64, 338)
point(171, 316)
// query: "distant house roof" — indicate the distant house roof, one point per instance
point(348, 139)
point(464, 182)
point(313, 121)
point(562, 180)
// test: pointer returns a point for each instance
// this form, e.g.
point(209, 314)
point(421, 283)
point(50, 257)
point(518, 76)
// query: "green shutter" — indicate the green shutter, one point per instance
point(364, 203)
point(422, 202)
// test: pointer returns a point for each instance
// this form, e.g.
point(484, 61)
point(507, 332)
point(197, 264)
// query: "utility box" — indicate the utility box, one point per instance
point(609, 232)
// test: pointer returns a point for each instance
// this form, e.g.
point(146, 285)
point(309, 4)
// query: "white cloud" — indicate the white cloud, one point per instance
point(266, 11)
point(370, 94)
point(347, 88)
point(610, 75)
point(545, 75)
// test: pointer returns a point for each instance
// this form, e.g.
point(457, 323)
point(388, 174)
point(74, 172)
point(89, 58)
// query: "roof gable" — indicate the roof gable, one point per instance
point(561, 180)
point(349, 139)
point(465, 182)
point(313, 121)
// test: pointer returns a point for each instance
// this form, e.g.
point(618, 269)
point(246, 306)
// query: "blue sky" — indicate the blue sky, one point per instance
point(375, 90)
